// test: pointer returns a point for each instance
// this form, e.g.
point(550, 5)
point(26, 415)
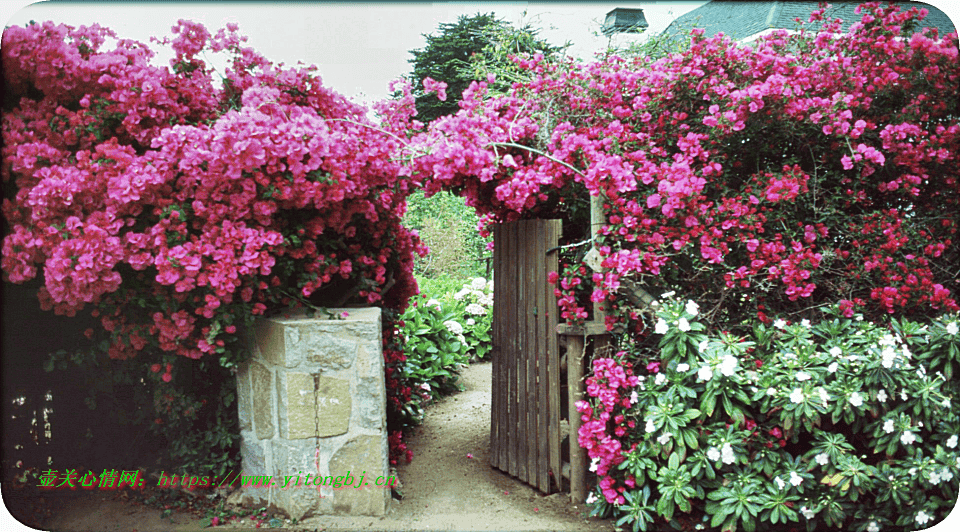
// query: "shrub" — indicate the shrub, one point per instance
point(835, 423)
point(772, 183)
point(180, 209)
point(442, 334)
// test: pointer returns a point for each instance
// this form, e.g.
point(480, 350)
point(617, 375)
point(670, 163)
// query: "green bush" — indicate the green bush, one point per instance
point(444, 330)
point(839, 423)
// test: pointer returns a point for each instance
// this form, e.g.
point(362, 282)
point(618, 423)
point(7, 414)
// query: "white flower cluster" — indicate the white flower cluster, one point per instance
point(479, 291)
point(476, 309)
point(725, 454)
point(889, 354)
point(453, 326)
point(953, 328)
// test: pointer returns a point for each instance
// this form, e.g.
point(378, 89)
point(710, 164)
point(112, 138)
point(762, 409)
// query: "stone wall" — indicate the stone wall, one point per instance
point(316, 380)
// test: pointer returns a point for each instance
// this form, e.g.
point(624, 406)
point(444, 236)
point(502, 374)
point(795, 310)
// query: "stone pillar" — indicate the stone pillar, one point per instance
point(311, 377)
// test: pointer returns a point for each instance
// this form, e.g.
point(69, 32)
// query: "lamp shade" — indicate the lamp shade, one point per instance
point(624, 20)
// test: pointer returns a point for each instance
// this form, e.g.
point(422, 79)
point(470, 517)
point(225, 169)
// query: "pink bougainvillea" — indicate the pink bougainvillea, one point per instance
point(177, 207)
point(775, 178)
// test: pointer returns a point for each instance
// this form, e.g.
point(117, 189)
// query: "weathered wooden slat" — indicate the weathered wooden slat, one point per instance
point(533, 264)
point(513, 398)
point(522, 353)
point(552, 318)
point(495, 351)
point(544, 407)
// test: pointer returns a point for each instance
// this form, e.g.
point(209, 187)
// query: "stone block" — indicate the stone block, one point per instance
point(293, 461)
point(361, 456)
point(270, 340)
point(253, 455)
point(244, 399)
point(371, 403)
point(261, 380)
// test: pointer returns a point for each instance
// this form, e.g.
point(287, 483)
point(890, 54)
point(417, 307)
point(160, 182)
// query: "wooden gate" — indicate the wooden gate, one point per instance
point(525, 429)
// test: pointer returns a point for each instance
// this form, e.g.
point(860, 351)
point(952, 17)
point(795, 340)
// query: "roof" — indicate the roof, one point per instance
point(741, 20)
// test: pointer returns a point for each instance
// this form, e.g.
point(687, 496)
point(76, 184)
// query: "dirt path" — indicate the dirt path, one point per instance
point(443, 489)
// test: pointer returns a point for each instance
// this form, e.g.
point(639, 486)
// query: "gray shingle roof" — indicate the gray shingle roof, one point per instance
point(740, 19)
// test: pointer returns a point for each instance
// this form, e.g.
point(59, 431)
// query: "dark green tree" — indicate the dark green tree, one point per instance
point(469, 50)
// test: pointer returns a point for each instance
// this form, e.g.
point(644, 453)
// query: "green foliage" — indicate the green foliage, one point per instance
point(442, 334)
point(189, 423)
point(466, 51)
point(449, 228)
point(835, 423)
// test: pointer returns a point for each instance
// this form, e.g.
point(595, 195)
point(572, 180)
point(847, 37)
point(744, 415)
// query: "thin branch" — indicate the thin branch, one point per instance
point(538, 152)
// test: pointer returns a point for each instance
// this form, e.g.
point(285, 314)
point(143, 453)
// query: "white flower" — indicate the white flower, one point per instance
point(803, 376)
point(726, 454)
point(795, 479)
point(771, 391)
point(713, 454)
point(836, 351)
point(476, 309)
point(952, 442)
point(661, 327)
point(729, 365)
point(633, 397)
point(888, 426)
point(832, 368)
point(478, 284)
point(882, 396)
point(779, 482)
point(953, 328)
point(907, 438)
point(888, 355)
point(824, 396)
point(461, 294)
point(946, 475)
point(453, 326)
point(873, 527)
point(703, 346)
point(705, 373)
point(807, 512)
point(780, 324)
point(592, 498)
point(593, 464)
point(923, 518)
point(796, 396)
point(683, 324)
point(471, 322)
point(668, 295)
point(650, 427)
point(935, 478)
point(660, 379)
point(903, 394)
point(682, 367)
point(805, 323)
point(664, 438)
point(822, 459)
point(433, 303)
point(692, 308)
point(855, 399)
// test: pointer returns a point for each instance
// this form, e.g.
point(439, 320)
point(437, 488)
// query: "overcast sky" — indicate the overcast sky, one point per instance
point(358, 47)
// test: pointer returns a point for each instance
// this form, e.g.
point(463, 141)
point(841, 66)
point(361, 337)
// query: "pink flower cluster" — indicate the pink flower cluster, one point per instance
point(762, 168)
point(609, 385)
point(178, 207)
